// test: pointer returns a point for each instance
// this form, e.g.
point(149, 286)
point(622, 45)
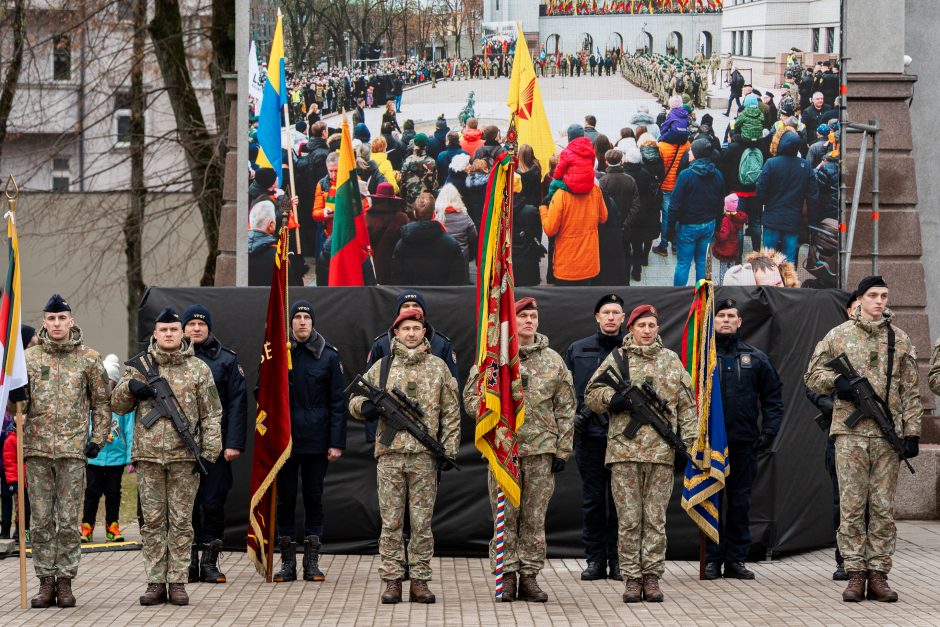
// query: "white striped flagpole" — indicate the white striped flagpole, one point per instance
point(500, 535)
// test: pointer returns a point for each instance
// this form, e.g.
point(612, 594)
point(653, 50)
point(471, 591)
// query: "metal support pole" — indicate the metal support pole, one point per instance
point(856, 196)
point(875, 179)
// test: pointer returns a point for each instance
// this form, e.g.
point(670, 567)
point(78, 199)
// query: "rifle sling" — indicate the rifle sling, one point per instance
point(623, 365)
point(891, 341)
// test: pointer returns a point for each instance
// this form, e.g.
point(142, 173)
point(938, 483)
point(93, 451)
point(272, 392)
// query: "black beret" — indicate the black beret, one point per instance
point(167, 316)
point(853, 296)
point(608, 299)
point(56, 304)
point(869, 282)
point(728, 303)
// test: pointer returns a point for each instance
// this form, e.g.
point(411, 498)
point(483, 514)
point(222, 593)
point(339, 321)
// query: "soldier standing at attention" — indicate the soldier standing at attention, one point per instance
point(598, 512)
point(165, 466)
point(68, 386)
point(545, 441)
point(866, 464)
point(750, 390)
point(318, 433)
point(406, 470)
point(209, 513)
point(642, 467)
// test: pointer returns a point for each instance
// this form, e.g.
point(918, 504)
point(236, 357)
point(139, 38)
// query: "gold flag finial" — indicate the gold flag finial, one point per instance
point(11, 193)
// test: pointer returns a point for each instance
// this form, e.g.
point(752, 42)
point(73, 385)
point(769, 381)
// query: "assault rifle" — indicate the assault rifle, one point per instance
point(868, 403)
point(646, 408)
point(400, 413)
point(165, 405)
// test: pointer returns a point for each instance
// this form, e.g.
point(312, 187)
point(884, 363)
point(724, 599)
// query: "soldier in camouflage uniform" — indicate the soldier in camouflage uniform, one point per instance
point(68, 386)
point(165, 468)
point(406, 471)
point(545, 442)
point(866, 464)
point(642, 468)
point(933, 376)
point(418, 173)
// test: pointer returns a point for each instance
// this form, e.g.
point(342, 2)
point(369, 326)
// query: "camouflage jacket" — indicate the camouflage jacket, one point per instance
point(192, 384)
point(418, 174)
point(865, 343)
point(661, 368)
point(68, 385)
point(933, 376)
point(548, 397)
point(427, 380)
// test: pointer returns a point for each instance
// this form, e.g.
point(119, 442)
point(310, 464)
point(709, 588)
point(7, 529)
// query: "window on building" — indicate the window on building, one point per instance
point(741, 43)
point(831, 39)
point(815, 40)
point(122, 118)
point(61, 178)
point(61, 57)
point(749, 43)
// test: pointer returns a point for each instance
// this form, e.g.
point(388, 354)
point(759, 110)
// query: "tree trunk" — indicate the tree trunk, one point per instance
point(203, 149)
point(134, 221)
point(12, 78)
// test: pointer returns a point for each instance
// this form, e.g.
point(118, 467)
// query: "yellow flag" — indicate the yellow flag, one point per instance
point(525, 100)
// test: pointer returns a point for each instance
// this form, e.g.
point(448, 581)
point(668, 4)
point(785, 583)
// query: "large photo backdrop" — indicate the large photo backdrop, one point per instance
point(792, 503)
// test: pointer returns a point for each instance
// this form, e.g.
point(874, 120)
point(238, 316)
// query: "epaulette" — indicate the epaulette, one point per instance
point(229, 350)
point(328, 345)
point(379, 337)
point(441, 335)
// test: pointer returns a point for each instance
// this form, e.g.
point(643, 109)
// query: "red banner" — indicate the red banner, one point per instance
point(272, 424)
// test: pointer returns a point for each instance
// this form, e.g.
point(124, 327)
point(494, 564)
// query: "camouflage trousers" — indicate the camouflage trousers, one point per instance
point(167, 494)
point(641, 491)
point(406, 478)
point(868, 473)
point(56, 490)
point(524, 527)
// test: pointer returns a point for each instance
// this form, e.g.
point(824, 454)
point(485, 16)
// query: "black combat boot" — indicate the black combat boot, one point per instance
point(209, 569)
point(194, 564)
point(712, 570)
point(312, 570)
point(737, 570)
point(839, 573)
point(615, 572)
point(593, 572)
point(288, 570)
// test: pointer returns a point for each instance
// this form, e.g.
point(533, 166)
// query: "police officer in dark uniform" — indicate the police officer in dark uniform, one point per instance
point(318, 434)
point(209, 508)
point(599, 513)
point(750, 390)
point(824, 403)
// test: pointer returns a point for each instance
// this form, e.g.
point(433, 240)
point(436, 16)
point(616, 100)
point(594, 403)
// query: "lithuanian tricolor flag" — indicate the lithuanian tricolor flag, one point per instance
point(13, 360)
point(706, 478)
point(350, 246)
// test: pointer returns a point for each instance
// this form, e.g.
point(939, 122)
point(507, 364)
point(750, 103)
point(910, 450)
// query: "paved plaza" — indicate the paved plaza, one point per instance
point(794, 590)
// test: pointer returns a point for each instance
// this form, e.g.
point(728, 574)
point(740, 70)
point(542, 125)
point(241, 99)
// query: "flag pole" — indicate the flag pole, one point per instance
point(290, 169)
point(702, 538)
point(20, 508)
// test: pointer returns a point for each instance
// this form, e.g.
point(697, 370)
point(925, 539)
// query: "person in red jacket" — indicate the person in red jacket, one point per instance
point(9, 470)
point(727, 247)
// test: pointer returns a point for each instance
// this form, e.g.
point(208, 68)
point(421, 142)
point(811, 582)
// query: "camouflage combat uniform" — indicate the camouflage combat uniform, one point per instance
point(405, 469)
point(165, 480)
point(418, 174)
point(68, 385)
point(546, 433)
point(866, 464)
point(642, 468)
point(933, 376)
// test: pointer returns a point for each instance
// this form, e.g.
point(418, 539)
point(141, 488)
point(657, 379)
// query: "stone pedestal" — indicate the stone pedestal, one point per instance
point(226, 264)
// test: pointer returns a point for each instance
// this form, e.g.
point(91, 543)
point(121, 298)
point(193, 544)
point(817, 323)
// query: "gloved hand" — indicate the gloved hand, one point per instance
point(911, 446)
point(92, 450)
point(764, 442)
point(12, 487)
point(680, 462)
point(618, 404)
point(369, 410)
point(844, 391)
point(141, 390)
point(825, 404)
point(206, 463)
point(18, 395)
point(443, 465)
point(558, 465)
point(580, 423)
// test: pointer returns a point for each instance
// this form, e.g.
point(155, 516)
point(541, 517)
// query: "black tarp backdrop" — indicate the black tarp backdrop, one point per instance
point(791, 509)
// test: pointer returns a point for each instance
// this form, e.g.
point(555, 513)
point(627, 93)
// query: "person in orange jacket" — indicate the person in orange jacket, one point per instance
point(324, 202)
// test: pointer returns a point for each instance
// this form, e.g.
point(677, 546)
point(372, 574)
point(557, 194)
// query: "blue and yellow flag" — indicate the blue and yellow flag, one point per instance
point(272, 104)
point(704, 480)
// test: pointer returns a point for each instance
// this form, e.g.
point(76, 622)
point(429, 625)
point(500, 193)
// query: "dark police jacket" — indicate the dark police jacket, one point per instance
point(317, 401)
point(382, 346)
point(583, 358)
point(230, 382)
point(750, 387)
